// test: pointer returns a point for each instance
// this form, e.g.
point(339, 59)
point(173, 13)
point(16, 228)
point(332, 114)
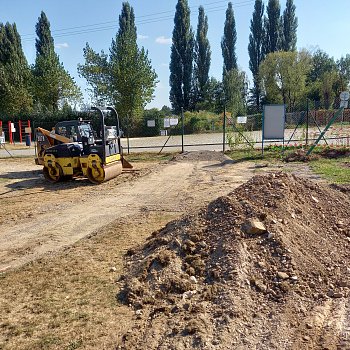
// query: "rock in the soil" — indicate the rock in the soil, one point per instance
point(282, 275)
point(113, 269)
point(193, 279)
point(253, 226)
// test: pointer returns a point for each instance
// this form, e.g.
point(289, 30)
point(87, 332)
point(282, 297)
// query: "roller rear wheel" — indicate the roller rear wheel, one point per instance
point(53, 174)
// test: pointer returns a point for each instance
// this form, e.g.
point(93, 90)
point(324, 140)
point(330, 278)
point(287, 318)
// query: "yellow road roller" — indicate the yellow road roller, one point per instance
point(73, 149)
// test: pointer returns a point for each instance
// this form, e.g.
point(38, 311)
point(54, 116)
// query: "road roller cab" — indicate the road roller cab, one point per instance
point(74, 150)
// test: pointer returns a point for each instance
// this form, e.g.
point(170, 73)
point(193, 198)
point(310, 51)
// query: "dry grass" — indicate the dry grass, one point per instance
point(68, 301)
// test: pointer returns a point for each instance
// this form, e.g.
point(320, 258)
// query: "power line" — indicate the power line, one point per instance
point(98, 27)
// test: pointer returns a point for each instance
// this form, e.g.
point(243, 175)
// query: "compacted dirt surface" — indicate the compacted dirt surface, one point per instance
point(39, 217)
point(198, 252)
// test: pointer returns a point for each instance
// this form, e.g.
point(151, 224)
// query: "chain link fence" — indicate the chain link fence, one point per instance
point(204, 130)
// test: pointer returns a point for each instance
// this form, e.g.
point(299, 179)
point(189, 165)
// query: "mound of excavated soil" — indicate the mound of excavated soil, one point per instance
point(217, 280)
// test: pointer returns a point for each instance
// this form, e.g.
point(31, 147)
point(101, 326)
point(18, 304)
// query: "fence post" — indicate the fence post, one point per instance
point(20, 130)
point(10, 132)
point(182, 130)
point(30, 134)
point(224, 132)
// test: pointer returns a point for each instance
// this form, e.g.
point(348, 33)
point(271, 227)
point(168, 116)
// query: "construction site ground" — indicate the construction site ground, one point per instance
point(73, 257)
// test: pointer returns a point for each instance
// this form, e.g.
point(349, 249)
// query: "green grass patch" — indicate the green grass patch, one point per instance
point(334, 170)
point(271, 154)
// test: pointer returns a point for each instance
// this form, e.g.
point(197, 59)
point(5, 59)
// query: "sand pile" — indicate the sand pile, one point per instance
point(262, 268)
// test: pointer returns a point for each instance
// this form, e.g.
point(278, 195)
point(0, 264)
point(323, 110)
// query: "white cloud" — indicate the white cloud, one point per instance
point(62, 46)
point(164, 65)
point(142, 37)
point(162, 40)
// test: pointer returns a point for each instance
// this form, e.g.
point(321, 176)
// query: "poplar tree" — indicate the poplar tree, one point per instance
point(290, 25)
point(181, 58)
point(132, 79)
point(255, 47)
point(15, 75)
point(202, 56)
point(52, 83)
point(272, 27)
point(228, 42)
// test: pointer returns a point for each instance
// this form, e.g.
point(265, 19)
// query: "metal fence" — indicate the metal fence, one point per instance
point(304, 124)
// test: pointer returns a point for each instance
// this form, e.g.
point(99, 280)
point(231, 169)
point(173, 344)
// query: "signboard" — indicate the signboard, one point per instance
point(166, 122)
point(273, 122)
point(28, 130)
point(174, 121)
point(344, 96)
point(242, 120)
point(2, 138)
point(151, 123)
point(13, 129)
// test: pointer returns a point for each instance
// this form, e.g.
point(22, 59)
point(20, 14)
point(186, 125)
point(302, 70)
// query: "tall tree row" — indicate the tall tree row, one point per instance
point(131, 76)
point(228, 42)
point(15, 77)
point(272, 27)
point(290, 25)
point(181, 58)
point(255, 48)
point(269, 33)
point(202, 58)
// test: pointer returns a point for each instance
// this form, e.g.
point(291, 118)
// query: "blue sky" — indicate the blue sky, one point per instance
point(322, 24)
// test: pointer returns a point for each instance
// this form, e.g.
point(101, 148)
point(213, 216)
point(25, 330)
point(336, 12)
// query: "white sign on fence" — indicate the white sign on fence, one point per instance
point(273, 122)
point(174, 121)
point(13, 129)
point(166, 122)
point(242, 120)
point(2, 138)
point(151, 123)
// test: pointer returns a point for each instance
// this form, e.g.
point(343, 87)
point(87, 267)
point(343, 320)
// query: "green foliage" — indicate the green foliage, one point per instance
point(15, 77)
point(290, 25)
point(325, 78)
point(272, 25)
point(157, 116)
point(344, 71)
point(284, 75)
point(228, 41)
point(132, 80)
point(52, 83)
point(199, 122)
point(181, 59)
point(235, 85)
point(126, 78)
point(213, 100)
point(202, 57)
point(255, 48)
point(240, 138)
point(96, 72)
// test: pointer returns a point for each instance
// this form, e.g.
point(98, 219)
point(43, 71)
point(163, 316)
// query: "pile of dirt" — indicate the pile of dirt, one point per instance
point(299, 156)
point(333, 153)
point(262, 268)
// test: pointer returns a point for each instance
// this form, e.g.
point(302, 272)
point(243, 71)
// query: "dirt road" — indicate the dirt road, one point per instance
point(39, 218)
